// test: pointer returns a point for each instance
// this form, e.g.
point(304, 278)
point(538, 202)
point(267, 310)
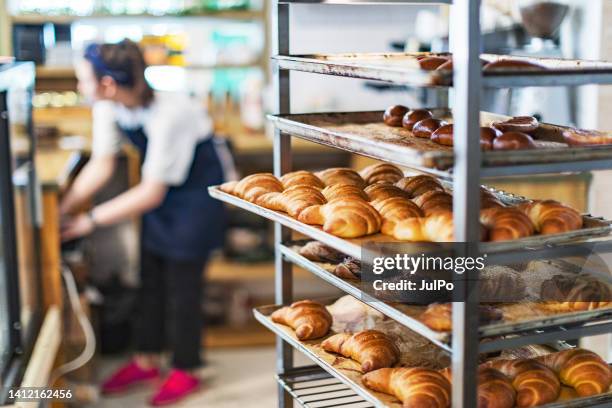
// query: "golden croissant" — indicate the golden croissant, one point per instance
point(435, 228)
point(341, 175)
point(382, 172)
point(417, 185)
point(371, 348)
point(344, 218)
point(254, 186)
point(301, 177)
point(380, 191)
point(505, 224)
point(397, 209)
point(552, 217)
point(344, 191)
point(308, 318)
point(293, 200)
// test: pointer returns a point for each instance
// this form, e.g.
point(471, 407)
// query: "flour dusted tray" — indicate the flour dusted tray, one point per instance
point(403, 68)
point(348, 371)
point(365, 133)
point(593, 227)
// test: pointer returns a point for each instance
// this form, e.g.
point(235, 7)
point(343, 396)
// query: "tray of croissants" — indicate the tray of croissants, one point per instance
point(346, 209)
point(514, 298)
point(424, 137)
point(391, 366)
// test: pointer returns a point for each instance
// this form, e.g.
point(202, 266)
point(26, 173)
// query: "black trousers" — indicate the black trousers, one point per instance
point(170, 308)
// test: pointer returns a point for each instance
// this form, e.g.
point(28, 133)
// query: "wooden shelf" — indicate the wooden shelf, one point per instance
point(35, 18)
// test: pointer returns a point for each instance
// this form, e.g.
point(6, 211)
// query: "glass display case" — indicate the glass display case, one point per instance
point(20, 285)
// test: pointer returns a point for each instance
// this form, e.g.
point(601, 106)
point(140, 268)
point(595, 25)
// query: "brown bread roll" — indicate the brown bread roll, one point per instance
point(487, 136)
point(394, 114)
point(443, 135)
point(414, 116)
point(371, 348)
point(425, 128)
point(513, 141)
point(308, 318)
point(523, 124)
point(319, 252)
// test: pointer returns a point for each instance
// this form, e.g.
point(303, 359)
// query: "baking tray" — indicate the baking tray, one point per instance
point(405, 315)
point(366, 134)
point(352, 377)
point(403, 68)
point(594, 227)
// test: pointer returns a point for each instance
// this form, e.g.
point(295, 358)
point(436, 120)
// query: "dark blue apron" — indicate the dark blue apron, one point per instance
point(189, 223)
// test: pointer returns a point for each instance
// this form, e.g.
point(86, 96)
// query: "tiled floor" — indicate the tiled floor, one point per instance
point(235, 378)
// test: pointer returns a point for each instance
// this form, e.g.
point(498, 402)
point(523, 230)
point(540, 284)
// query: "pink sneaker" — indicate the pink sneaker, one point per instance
point(177, 386)
point(127, 376)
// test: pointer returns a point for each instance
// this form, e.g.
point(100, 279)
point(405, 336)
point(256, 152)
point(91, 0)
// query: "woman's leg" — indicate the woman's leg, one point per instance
point(185, 286)
point(149, 326)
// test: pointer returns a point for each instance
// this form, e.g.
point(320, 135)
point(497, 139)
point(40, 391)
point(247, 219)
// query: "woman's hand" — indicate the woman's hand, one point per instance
point(76, 227)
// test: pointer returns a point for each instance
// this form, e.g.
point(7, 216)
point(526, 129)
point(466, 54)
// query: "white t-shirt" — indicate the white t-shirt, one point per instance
point(174, 125)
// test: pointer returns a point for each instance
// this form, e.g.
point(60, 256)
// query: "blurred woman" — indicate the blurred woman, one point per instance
point(181, 223)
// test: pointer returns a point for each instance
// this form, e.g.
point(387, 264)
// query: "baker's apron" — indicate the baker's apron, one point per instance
point(189, 223)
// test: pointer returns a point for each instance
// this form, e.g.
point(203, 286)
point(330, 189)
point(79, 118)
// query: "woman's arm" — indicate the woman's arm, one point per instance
point(96, 173)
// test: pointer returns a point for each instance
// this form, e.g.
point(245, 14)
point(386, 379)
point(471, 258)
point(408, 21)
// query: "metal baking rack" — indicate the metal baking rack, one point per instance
point(468, 80)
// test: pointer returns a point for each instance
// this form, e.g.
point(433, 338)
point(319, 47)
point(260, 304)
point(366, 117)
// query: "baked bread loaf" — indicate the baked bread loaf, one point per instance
point(414, 116)
point(381, 173)
point(504, 224)
point(397, 209)
point(293, 200)
point(371, 348)
point(417, 185)
point(435, 201)
point(415, 387)
point(349, 268)
point(564, 294)
point(583, 137)
point(394, 114)
point(439, 316)
point(523, 124)
point(319, 252)
point(341, 175)
point(426, 127)
point(254, 186)
point(512, 64)
point(534, 383)
point(308, 318)
point(382, 191)
point(581, 369)
point(344, 218)
point(435, 228)
point(501, 284)
point(513, 141)
point(301, 177)
point(495, 390)
point(344, 191)
point(552, 217)
point(443, 135)
point(487, 136)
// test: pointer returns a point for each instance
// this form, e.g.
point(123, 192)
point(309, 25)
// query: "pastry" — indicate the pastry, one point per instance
point(293, 200)
point(301, 177)
point(341, 175)
point(308, 318)
point(371, 348)
point(382, 191)
point(229, 187)
point(501, 284)
point(344, 218)
point(443, 135)
point(439, 316)
point(534, 383)
point(435, 228)
point(426, 127)
point(523, 124)
point(513, 141)
point(495, 390)
point(381, 173)
point(414, 116)
point(254, 186)
point(397, 209)
point(564, 294)
point(415, 387)
point(349, 268)
point(417, 185)
point(435, 201)
point(432, 63)
point(506, 224)
point(581, 369)
point(344, 191)
point(319, 252)
point(552, 217)
point(583, 137)
point(512, 64)
point(488, 199)
point(487, 136)
point(394, 114)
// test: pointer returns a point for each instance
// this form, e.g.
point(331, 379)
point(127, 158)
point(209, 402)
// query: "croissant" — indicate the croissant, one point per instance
point(488, 199)
point(494, 388)
point(563, 294)
point(228, 187)
point(344, 218)
point(552, 217)
point(506, 223)
point(341, 175)
point(293, 200)
point(415, 387)
point(417, 185)
point(581, 369)
point(439, 316)
point(435, 228)
point(397, 209)
point(301, 177)
point(381, 191)
point(381, 172)
point(371, 348)
point(344, 191)
point(535, 383)
point(254, 186)
point(435, 201)
point(308, 318)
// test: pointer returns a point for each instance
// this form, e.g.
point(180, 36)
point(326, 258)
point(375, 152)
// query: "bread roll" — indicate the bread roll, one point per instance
point(394, 114)
point(414, 116)
point(514, 141)
point(426, 127)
